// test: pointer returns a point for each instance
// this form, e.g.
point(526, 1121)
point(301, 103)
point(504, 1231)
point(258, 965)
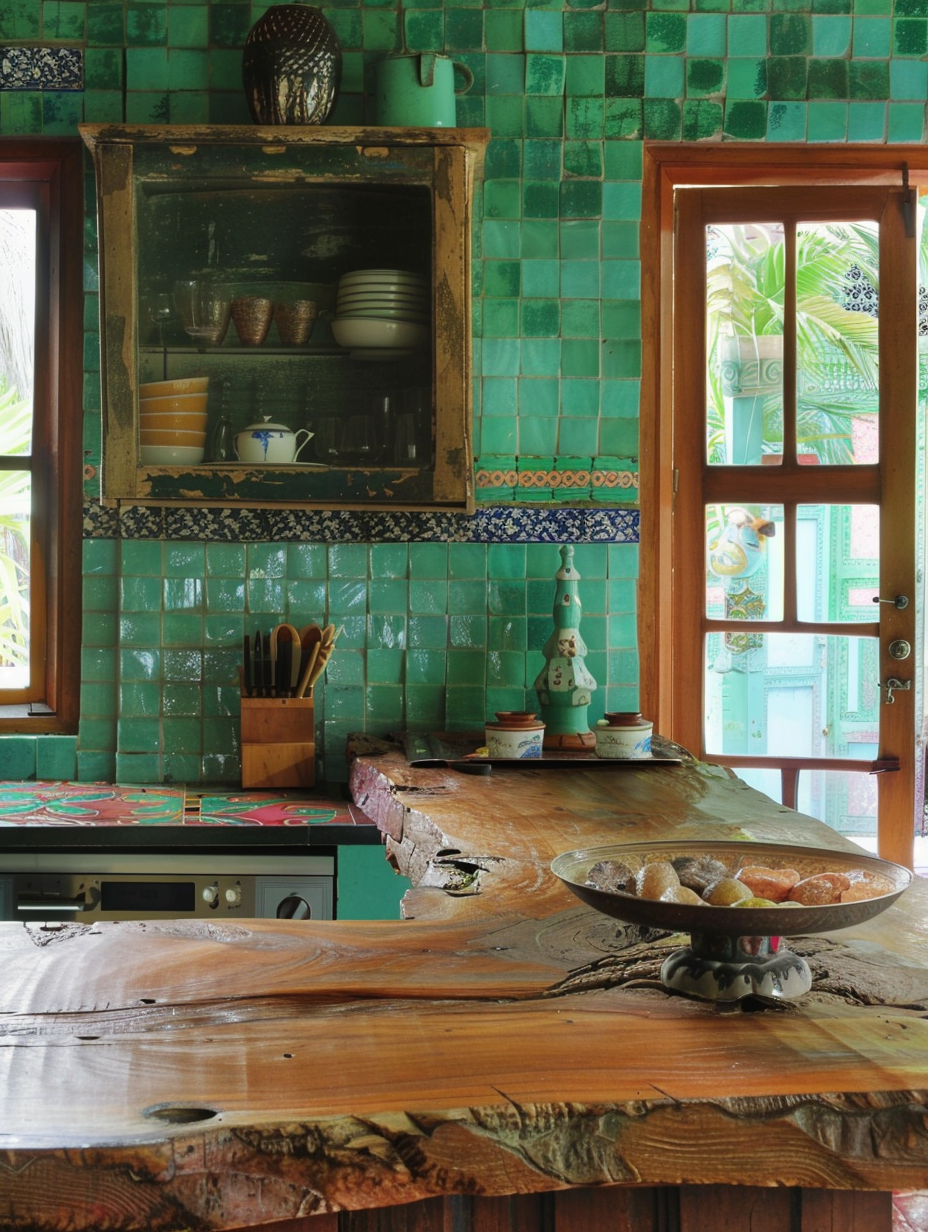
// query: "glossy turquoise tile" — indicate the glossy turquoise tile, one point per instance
point(17, 757)
point(469, 632)
point(664, 76)
point(541, 357)
point(540, 279)
point(544, 30)
point(905, 122)
point(908, 80)
point(827, 121)
point(580, 397)
point(580, 318)
point(585, 75)
point(866, 121)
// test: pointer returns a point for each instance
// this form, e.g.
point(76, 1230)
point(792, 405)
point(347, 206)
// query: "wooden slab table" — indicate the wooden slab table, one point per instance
point(504, 1060)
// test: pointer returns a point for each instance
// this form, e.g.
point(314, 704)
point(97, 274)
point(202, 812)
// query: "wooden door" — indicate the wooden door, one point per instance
point(792, 519)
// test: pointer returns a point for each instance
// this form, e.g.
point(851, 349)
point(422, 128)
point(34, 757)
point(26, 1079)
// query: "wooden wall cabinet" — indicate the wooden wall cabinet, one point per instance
point(284, 213)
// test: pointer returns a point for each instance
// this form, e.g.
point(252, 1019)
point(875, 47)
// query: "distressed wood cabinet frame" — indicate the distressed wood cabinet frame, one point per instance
point(447, 162)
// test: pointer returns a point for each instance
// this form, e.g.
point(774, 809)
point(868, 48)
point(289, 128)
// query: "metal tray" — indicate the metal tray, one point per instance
point(456, 751)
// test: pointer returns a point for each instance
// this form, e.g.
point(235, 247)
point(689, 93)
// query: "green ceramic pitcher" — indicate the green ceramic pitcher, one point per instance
point(419, 90)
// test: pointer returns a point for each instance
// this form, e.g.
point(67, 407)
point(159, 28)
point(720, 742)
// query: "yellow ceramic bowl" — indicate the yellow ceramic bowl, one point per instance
point(173, 402)
point(166, 389)
point(176, 421)
point(172, 438)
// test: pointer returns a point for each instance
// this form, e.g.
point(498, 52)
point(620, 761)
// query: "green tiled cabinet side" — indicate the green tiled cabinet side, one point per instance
point(569, 92)
point(367, 887)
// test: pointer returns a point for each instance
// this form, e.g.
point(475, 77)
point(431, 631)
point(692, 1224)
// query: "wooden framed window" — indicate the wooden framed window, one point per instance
point(41, 375)
point(778, 471)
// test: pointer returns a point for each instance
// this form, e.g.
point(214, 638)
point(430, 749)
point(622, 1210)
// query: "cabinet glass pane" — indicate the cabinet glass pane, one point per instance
point(744, 343)
point(837, 297)
point(223, 261)
point(744, 562)
point(837, 562)
point(791, 695)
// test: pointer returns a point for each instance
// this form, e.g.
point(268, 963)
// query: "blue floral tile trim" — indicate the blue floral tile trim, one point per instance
point(490, 524)
point(41, 68)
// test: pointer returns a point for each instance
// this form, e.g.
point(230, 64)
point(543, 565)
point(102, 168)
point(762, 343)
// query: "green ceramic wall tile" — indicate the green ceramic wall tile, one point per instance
point(624, 76)
point(21, 112)
point(831, 36)
point(580, 318)
point(868, 80)
point(746, 78)
point(747, 35)
point(503, 30)
point(702, 120)
point(828, 79)
point(544, 30)
point(624, 31)
point(786, 122)
point(505, 74)
point(585, 75)
point(580, 357)
point(585, 118)
point(544, 117)
point(745, 121)
point(580, 396)
point(908, 79)
point(662, 119)
point(787, 77)
point(706, 34)
point(905, 122)
point(790, 34)
point(17, 757)
point(499, 396)
point(665, 32)
point(64, 19)
point(544, 74)
point(103, 69)
point(872, 37)
point(20, 19)
point(910, 36)
point(704, 77)
point(425, 29)
point(540, 318)
point(827, 122)
point(621, 358)
point(146, 23)
point(664, 76)
point(537, 434)
point(189, 25)
point(620, 239)
point(500, 356)
point(540, 279)
point(464, 29)
point(541, 357)
point(584, 32)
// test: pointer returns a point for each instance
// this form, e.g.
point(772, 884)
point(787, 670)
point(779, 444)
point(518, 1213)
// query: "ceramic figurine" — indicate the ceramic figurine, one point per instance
point(564, 686)
point(741, 548)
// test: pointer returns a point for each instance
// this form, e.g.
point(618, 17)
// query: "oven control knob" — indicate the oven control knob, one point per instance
point(210, 895)
point(294, 907)
point(234, 896)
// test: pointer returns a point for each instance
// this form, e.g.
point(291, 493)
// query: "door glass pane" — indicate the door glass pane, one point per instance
point(846, 800)
point(744, 343)
point(791, 695)
point(837, 562)
point(837, 297)
point(15, 503)
point(744, 562)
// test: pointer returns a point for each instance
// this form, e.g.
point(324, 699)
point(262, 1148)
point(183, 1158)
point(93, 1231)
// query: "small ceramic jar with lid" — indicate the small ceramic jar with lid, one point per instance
point(516, 734)
point(623, 734)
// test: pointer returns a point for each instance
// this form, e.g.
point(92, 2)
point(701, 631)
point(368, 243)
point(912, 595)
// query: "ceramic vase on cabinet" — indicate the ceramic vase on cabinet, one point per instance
point(291, 66)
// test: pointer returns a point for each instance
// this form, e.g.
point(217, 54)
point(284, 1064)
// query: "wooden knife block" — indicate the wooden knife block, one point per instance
point(278, 742)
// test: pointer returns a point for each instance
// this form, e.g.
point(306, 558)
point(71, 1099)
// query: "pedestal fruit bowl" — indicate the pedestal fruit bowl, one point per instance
point(735, 951)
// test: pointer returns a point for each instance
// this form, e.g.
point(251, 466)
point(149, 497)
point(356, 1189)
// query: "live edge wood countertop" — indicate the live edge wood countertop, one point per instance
point(502, 1060)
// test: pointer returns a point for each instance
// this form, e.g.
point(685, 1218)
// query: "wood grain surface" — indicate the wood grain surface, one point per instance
point(504, 1044)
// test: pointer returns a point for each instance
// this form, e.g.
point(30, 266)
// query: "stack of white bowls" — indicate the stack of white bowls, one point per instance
point(382, 313)
point(172, 421)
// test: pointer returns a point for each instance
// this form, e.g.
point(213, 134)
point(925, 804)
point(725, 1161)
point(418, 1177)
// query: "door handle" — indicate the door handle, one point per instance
point(899, 601)
point(899, 649)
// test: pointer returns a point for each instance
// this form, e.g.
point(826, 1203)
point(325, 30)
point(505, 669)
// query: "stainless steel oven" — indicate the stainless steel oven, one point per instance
point(107, 884)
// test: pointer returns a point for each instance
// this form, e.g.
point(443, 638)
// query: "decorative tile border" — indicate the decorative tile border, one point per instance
point(41, 68)
point(490, 524)
point(556, 480)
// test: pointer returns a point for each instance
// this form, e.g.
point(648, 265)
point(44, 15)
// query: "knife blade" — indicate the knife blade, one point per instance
point(247, 675)
point(259, 665)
